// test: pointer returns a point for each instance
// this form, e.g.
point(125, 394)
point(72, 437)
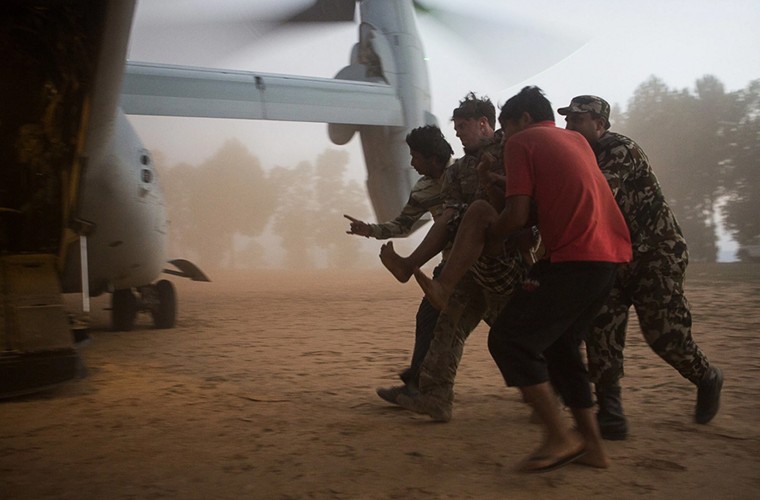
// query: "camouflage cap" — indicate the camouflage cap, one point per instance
point(588, 104)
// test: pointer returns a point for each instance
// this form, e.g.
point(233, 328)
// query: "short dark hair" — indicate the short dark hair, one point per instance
point(429, 141)
point(474, 107)
point(529, 100)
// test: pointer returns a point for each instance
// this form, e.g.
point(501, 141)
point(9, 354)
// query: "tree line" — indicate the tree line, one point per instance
point(703, 143)
point(220, 209)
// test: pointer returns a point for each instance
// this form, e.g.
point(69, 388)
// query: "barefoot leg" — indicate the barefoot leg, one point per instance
point(555, 454)
point(589, 429)
point(396, 264)
point(561, 445)
point(435, 292)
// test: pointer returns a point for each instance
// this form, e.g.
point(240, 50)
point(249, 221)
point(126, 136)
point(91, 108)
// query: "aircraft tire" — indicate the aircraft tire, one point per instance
point(165, 314)
point(123, 310)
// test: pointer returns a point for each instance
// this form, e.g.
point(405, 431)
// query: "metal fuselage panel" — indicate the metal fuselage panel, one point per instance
point(123, 202)
point(120, 200)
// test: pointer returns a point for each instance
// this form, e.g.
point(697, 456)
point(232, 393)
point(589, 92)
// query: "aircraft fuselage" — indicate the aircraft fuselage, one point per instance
point(70, 167)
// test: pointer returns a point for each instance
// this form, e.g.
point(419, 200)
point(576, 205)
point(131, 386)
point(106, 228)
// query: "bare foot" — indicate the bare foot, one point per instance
point(395, 263)
point(588, 429)
point(595, 457)
point(551, 456)
point(437, 294)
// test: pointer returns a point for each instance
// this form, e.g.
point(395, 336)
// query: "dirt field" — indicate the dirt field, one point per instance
point(266, 390)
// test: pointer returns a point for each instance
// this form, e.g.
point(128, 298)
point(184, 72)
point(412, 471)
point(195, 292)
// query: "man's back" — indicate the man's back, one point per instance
point(637, 192)
point(577, 216)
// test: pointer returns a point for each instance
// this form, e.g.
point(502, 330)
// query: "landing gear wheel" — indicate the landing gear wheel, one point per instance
point(165, 312)
point(123, 310)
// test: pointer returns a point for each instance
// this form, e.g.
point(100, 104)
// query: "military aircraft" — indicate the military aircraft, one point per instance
point(81, 209)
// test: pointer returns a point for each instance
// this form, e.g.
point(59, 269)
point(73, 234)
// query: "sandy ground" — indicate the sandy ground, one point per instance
point(266, 390)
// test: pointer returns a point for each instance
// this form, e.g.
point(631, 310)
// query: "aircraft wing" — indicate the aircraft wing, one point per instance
point(166, 90)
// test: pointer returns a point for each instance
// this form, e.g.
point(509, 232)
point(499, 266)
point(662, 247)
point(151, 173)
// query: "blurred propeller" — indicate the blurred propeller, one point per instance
point(512, 46)
point(326, 11)
point(202, 33)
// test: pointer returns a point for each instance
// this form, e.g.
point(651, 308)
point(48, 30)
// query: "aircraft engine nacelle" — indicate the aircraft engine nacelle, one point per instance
point(400, 65)
point(371, 61)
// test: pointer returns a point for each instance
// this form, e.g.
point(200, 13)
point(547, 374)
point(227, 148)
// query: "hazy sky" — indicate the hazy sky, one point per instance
point(603, 47)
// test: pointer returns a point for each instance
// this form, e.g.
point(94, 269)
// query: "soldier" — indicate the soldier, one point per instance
point(431, 154)
point(482, 292)
point(652, 282)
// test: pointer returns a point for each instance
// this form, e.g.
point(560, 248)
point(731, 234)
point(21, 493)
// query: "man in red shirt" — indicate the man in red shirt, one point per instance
point(536, 339)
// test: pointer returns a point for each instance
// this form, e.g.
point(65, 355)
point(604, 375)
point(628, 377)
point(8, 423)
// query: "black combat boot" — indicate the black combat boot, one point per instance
point(708, 395)
point(610, 416)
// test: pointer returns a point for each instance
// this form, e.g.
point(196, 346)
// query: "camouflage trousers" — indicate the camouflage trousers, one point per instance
point(471, 302)
point(653, 285)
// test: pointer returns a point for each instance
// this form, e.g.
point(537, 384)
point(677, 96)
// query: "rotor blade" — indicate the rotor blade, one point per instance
point(516, 49)
point(194, 43)
point(326, 11)
point(194, 32)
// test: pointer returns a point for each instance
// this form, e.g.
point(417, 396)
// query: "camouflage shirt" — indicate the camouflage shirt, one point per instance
point(461, 185)
point(637, 191)
point(425, 197)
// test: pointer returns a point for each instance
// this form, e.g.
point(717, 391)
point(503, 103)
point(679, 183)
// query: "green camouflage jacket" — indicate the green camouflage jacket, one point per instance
point(460, 185)
point(425, 197)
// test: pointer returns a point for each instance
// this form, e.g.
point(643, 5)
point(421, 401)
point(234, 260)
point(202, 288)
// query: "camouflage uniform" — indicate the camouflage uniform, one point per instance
point(460, 181)
point(425, 197)
point(653, 281)
point(482, 292)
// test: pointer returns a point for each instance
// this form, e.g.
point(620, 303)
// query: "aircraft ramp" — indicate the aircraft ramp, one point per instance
point(36, 345)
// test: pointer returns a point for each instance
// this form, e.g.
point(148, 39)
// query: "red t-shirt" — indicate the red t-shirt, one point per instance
point(577, 214)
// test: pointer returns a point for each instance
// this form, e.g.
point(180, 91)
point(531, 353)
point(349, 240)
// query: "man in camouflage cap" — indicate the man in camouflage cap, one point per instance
point(592, 104)
point(652, 282)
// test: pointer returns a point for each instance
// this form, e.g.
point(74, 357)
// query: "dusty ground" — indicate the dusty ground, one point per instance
point(266, 390)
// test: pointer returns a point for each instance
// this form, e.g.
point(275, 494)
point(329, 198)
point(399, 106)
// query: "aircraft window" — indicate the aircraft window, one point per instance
point(147, 175)
point(145, 159)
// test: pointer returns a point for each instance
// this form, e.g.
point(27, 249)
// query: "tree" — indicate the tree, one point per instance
point(228, 194)
point(334, 198)
point(177, 185)
point(683, 136)
point(309, 216)
point(296, 213)
point(742, 177)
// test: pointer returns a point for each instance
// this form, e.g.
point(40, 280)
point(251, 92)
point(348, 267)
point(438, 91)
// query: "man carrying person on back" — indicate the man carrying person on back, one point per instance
point(485, 290)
